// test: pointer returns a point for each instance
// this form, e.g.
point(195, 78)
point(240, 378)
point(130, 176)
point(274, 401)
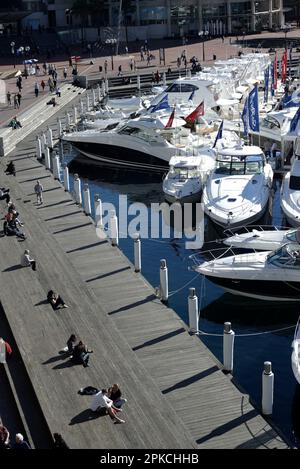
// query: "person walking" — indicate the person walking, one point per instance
point(38, 189)
point(120, 71)
point(43, 84)
point(20, 442)
point(27, 261)
point(16, 102)
point(19, 97)
point(36, 89)
point(8, 96)
point(65, 73)
point(105, 67)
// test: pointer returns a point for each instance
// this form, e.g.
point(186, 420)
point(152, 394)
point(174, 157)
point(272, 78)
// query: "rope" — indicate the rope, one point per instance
point(185, 285)
point(250, 334)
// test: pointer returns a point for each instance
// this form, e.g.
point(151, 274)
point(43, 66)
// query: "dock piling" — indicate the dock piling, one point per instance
point(137, 253)
point(113, 228)
point(47, 158)
point(38, 148)
point(68, 122)
point(99, 92)
point(164, 283)
point(164, 78)
point(193, 311)
point(59, 128)
point(81, 107)
point(66, 179)
point(87, 102)
point(56, 167)
point(98, 210)
point(50, 137)
point(87, 200)
point(267, 389)
point(77, 189)
point(228, 347)
point(94, 98)
point(75, 114)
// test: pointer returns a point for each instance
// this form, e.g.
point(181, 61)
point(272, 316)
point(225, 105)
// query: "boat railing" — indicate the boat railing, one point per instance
point(210, 255)
point(249, 228)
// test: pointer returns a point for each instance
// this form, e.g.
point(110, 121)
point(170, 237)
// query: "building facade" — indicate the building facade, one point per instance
point(166, 18)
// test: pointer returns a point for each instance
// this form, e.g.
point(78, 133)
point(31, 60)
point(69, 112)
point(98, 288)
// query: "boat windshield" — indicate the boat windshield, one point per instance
point(144, 134)
point(183, 173)
point(295, 183)
point(270, 123)
point(239, 166)
point(287, 256)
point(291, 235)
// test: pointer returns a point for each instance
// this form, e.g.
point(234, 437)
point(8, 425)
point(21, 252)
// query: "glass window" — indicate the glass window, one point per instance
point(291, 235)
point(295, 183)
point(153, 15)
point(181, 88)
point(270, 123)
point(240, 8)
point(242, 167)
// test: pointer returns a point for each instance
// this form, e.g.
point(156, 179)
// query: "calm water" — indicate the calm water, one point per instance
point(247, 316)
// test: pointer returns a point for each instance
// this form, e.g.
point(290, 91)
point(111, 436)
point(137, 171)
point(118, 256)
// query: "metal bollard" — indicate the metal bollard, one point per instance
point(56, 167)
point(267, 389)
point(113, 228)
point(98, 210)
point(193, 311)
point(50, 138)
point(66, 179)
point(77, 189)
point(164, 283)
point(137, 253)
point(38, 148)
point(164, 78)
point(87, 200)
point(47, 158)
point(228, 346)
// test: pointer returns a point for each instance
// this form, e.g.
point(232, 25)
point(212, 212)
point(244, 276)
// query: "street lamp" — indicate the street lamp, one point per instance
point(12, 45)
point(203, 35)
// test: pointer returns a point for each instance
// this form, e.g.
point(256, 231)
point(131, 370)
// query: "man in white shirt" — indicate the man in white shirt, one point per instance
point(26, 260)
point(101, 400)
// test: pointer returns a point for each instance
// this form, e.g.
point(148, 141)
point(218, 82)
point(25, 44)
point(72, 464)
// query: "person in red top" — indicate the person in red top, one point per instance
point(8, 348)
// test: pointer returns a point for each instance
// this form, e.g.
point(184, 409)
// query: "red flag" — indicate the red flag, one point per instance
point(284, 66)
point(171, 119)
point(275, 72)
point(199, 111)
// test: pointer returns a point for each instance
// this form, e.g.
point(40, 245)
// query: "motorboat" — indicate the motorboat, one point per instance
point(237, 192)
point(187, 175)
point(143, 143)
point(268, 275)
point(262, 239)
point(290, 195)
point(295, 358)
point(101, 123)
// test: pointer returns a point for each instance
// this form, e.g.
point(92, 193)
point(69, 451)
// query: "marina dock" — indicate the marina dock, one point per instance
point(177, 395)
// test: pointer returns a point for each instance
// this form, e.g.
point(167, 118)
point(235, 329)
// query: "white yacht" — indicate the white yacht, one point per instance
point(237, 192)
point(142, 143)
point(187, 175)
point(264, 275)
point(295, 358)
point(262, 239)
point(290, 195)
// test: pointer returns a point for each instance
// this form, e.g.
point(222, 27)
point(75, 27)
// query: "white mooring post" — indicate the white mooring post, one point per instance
point(99, 92)
point(137, 253)
point(164, 283)
point(47, 158)
point(87, 102)
point(138, 83)
point(113, 228)
point(42, 143)
point(38, 148)
point(59, 128)
point(87, 200)
point(50, 138)
point(75, 115)
point(98, 210)
point(81, 107)
point(106, 86)
point(164, 78)
point(68, 122)
point(56, 167)
point(61, 146)
point(189, 73)
point(103, 87)
point(193, 311)
point(2, 351)
point(267, 389)
point(44, 139)
point(77, 189)
point(66, 179)
point(228, 347)
point(94, 98)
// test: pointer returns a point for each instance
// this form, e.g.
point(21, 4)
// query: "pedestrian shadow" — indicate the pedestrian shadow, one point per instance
point(13, 267)
point(85, 416)
point(67, 364)
point(56, 358)
point(42, 302)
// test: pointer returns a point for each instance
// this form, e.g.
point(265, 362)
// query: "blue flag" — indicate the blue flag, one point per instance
point(219, 134)
point(266, 94)
point(163, 104)
point(192, 95)
point(295, 121)
point(245, 118)
point(272, 79)
point(253, 110)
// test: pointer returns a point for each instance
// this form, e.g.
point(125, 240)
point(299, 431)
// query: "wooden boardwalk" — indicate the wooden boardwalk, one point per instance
point(177, 395)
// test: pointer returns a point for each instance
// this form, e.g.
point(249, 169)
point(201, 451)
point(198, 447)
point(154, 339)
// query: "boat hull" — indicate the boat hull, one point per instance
point(268, 290)
point(191, 198)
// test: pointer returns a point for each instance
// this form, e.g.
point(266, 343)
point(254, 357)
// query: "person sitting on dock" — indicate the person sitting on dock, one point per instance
point(11, 169)
point(114, 393)
point(4, 437)
point(20, 442)
point(4, 194)
point(55, 300)
point(71, 344)
point(27, 261)
point(11, 229)
point(15, 124)
point(101, 401)
point(52, 102)
point(81, 354)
